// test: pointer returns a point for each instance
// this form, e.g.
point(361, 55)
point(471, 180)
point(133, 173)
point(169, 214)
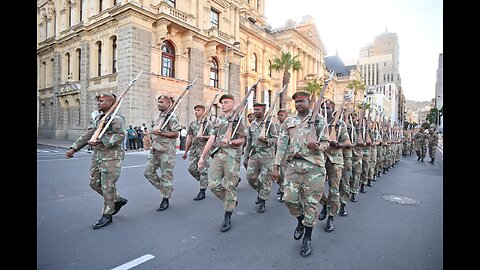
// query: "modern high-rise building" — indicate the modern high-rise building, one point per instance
point(439, 92)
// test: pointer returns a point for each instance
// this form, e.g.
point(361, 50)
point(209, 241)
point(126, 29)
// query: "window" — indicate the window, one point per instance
point(79, 57)
point(100, 6)
point(70, 9)
point(168, 60)
point(269, 68)
point(81, 10)
point(114, 55)
point(68, 66)
point(214, 73)
point(99, 58)
point(171, 3)
point(214, 15)
point(254, 62)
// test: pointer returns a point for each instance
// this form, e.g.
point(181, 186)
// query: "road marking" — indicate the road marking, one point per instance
point(135, 262)
point(134, 166)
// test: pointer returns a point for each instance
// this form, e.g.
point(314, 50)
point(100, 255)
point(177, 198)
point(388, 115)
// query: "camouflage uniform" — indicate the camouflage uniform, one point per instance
point(357, 155)
point(373, 156)
point(432, 145)
point(421, 144)
point(365, 160)
point(281, 179)
point(195, 152)
point(225, 163)
point(162, 156)
point(334, 166)
point(305, 172)
point(106, 160)
point(345, 187)
point(260, 157)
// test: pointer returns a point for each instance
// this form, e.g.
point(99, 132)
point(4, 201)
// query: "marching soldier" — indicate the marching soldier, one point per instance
point(432, 144)
point(107, 159)
point(226, 156)
point(357, 155)
point(195, 145)
point(162, 151)
point(259, 153)
point(282, 114)
point(305, 172)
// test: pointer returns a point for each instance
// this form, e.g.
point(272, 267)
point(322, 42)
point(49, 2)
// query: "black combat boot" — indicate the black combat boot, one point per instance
point(103, 221)
point(421, 159)
point(378, 175)
point(329, 225)
point(280, 197)
point(299, 230)
point(306, 244)
point(343, 211)
point(353, 197)
point(362, 188)
point(369, 183)
point(119, 205)
point(323, 213)
point(384, 170)
point(200, 195)
point(432, 160)
point(257, 200)
point(226, 222)
point(261, 206)
point(163, 205)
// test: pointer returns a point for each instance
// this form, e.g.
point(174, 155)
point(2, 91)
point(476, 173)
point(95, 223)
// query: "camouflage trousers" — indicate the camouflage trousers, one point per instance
point(421, 150)
point(380, 158)
point(304, 183)
point(372, 163)
point(281, 177)
point(334, 174)
point(199, 175)
point(356, 174)
point(365, 167)
point(432, 151)
point(165, 162)
point(103, 178)
point(260, 175)
point(345, 181)
point(227, 169)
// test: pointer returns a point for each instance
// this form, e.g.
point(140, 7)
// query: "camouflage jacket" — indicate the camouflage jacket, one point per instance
point(111, 147)
point(294, 136)
point(198, 144)
point(254, 146)
point(162, 143)
point(336, 155)
point(220, 128)
point(433, 139)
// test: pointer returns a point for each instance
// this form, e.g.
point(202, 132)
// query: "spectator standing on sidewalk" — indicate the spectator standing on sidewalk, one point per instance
point(132, 137)
point(183, 138)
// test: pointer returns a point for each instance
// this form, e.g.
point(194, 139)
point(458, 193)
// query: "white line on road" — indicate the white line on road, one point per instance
point(135, 262)
point(134, 166)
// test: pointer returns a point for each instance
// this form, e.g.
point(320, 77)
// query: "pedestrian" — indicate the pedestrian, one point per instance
point(226, 155)
point(183, 138)
point(132, 138)
point(194, 147)
point(432, 144)
point(305, 172)
point(107, 159)
point(162, 150)
point(259, 153)
point(334, 166)
point(139, 131)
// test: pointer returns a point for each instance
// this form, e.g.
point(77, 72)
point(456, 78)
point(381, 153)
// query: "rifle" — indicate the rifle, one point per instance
point(269, 115)
point(108, 117)
point(333, 133)
point(204, 123)
point(360, 140)
point(163, 122)
point(312, 136)
point(236, 114)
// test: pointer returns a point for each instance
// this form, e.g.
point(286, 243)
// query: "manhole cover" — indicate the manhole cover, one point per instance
point(399, 199)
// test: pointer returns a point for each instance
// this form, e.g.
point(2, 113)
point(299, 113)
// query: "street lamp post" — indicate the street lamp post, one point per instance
point(227, 65)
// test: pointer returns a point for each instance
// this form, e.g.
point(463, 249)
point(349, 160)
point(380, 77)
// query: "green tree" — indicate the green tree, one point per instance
point(314, 88)
point(356, 85)
point(286, 63)
point(432, 116)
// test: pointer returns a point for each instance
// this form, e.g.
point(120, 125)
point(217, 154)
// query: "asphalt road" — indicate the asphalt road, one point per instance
point(397, 224)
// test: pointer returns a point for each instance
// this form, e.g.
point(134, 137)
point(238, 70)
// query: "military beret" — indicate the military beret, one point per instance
point(226, 96)
point(199, 106)
point(105, 95)
point(165, 97)
point(259, 105)
point(300, 94)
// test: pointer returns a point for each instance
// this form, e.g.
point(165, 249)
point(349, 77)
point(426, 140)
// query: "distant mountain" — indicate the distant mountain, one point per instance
point(415, 105)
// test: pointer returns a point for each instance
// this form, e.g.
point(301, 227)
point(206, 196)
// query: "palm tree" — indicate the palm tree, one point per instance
point(313, 87)
point(286, 63)
point(356, 85)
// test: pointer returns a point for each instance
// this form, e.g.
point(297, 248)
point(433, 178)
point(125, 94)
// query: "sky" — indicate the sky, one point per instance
point(345, 26)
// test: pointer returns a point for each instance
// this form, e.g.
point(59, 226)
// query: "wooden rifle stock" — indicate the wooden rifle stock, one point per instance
point(236, 114)
point(108, 117)
point(360, 140)
point(312, 136)
point(368, 139)
point(164, 121)
point(333, 132)
point(269, 115)
point(203, 123)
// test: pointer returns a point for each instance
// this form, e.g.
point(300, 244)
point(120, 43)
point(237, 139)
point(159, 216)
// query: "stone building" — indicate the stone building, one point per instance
point(87, 47)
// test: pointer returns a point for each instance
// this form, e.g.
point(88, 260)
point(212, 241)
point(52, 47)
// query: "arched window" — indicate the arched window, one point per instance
point(171, 3)
point(80, 11)
point(67, 55)
point(70, 10)
point(254, 62)
point(214, 73)
point(79, 63)
point(168, 60)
